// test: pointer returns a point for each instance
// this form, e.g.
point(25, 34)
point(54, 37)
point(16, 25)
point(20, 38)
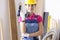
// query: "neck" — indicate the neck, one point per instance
point(31, 13)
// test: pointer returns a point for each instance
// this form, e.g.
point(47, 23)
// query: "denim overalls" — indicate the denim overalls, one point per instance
point(31, 27)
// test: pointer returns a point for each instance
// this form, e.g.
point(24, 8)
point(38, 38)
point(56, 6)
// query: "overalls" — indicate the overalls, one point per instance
point(31, 27)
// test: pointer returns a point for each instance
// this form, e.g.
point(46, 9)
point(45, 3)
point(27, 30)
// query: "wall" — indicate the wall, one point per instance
point(17, 3)
point(40, 7)
point(4, 16)
point(53, 7)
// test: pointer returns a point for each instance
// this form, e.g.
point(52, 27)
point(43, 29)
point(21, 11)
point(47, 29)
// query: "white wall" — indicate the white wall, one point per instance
point(53, 7)
point(17, 3)
point(5, 18)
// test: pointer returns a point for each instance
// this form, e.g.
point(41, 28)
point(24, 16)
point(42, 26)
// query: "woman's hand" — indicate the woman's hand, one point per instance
point(25, 35)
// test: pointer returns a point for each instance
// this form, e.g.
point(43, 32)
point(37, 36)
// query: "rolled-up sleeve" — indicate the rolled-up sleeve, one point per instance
point(40, 19)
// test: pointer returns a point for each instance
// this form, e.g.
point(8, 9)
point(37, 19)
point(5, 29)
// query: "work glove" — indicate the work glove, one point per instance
point(25, 35)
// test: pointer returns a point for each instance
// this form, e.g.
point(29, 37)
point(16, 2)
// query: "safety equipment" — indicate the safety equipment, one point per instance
point(25, 35)
point(30, 1)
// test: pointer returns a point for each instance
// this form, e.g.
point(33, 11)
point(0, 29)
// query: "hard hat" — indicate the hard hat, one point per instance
point(30, 1)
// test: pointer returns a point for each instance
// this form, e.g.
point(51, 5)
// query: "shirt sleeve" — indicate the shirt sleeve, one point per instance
point(20, 19)
point(40, 19)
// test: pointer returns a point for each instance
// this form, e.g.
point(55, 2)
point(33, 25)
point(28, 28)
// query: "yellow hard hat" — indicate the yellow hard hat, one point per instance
point(30, 1)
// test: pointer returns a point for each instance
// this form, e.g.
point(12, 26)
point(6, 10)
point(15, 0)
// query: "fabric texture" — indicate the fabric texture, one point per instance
point(39, 18)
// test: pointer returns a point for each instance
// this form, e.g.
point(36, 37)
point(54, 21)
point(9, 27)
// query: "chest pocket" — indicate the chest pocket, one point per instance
point(31, 25)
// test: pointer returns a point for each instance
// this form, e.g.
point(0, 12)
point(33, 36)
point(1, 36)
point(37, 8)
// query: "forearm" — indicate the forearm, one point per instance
point(35, 34)
point(39, 32)
point(22, 27)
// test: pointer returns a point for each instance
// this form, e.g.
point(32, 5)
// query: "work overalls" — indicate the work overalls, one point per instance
point(31, 27)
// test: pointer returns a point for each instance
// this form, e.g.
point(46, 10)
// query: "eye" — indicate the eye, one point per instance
point(32, 5)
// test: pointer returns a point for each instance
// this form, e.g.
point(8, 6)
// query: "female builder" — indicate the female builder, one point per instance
point(33, 24)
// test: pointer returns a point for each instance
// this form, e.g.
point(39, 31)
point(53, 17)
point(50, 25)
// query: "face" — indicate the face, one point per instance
point(30, 7)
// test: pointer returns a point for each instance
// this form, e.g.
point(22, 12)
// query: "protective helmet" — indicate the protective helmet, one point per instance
point(30, 1)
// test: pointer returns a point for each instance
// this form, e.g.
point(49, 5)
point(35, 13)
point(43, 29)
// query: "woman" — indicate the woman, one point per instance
point(33, 24)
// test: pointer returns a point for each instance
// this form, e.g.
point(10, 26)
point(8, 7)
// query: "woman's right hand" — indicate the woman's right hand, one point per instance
point(25, 35)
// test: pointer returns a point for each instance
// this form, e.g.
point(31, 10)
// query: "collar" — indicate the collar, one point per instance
point(33, 14)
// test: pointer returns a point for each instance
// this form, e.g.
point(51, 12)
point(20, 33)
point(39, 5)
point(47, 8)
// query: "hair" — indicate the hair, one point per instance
point(30, 4)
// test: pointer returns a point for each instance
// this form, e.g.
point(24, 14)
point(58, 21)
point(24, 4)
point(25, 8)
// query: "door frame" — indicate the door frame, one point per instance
point(13, 24)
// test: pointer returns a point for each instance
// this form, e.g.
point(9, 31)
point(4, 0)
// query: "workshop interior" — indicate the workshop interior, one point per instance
point(11, 10)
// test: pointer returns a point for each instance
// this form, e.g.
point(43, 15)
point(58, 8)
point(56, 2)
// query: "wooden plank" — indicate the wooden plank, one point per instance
point(13, 20)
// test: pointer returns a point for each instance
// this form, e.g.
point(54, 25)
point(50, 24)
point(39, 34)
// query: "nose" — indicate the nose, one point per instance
point(31, 7)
